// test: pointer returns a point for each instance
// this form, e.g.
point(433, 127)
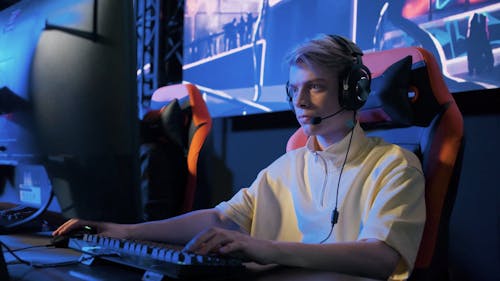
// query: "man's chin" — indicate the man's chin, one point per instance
point(309, 130)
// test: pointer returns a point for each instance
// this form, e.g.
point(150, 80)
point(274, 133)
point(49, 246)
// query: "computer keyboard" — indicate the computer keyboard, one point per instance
point(157, 258)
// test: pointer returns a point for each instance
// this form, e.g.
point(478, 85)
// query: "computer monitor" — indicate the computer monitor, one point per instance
point(71, 67)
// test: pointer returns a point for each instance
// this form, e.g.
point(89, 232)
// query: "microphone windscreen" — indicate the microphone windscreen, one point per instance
point(316, 120)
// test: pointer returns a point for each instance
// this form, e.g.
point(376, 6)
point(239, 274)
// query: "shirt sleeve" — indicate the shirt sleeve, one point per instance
point(240, 208)
point(397, 215)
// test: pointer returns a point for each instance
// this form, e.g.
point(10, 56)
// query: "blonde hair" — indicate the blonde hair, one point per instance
point(326, 52)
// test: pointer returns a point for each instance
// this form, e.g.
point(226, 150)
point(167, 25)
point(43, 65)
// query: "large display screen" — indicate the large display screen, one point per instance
point(233, 50)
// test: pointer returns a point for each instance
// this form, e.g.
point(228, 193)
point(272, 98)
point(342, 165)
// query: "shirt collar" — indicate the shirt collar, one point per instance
point(359, 140)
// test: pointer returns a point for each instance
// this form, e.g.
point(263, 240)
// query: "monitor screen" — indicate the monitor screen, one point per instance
point(234, 50)
point(69, 106)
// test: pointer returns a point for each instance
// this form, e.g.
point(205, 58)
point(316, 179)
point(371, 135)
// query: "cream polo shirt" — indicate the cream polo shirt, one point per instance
point(381, 196)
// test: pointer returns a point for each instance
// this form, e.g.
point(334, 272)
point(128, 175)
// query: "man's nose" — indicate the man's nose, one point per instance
point(302, 97)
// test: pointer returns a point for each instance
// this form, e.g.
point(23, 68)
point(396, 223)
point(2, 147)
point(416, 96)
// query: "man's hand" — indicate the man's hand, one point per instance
point(233, 243)
point(103, 228)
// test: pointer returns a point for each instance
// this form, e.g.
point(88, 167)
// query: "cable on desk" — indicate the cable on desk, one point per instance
point(29, 247)
point(45, 265)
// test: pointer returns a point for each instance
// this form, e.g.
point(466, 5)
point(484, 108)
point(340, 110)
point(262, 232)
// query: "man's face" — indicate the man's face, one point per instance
point(314, 93)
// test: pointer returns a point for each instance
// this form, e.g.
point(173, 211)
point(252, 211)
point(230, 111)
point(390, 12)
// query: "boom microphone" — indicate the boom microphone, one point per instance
point(317, 119)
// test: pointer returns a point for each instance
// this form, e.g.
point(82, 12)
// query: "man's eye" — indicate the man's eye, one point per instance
point(316, 87)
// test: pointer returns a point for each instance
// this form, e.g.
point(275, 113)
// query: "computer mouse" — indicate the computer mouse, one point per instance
point(62, 241)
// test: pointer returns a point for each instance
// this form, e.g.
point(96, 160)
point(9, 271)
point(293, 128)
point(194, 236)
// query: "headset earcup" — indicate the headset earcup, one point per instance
point(290, 103)
point(289, 98)
point(355, 88)
point(363, 91)
point(364, 84)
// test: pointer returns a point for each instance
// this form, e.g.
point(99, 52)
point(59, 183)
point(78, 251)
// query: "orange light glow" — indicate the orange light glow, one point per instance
point(414, 8)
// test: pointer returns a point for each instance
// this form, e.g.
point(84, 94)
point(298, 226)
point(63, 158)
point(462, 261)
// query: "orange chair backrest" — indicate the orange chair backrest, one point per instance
point(201, 124)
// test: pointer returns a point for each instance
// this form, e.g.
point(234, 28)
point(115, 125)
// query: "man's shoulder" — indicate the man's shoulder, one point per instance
point(383, 148)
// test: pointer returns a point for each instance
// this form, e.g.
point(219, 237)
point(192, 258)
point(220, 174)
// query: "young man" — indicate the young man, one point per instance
point(344, 202)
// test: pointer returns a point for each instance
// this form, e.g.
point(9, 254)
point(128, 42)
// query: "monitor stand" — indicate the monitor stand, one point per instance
point(4, 274)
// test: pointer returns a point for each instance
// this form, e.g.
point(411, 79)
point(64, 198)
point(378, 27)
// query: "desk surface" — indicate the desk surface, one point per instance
point(104, 271)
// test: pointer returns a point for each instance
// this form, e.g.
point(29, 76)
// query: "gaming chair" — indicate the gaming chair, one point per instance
point(410, 105)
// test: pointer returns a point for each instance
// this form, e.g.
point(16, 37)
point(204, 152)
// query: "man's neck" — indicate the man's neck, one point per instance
point(321, 142)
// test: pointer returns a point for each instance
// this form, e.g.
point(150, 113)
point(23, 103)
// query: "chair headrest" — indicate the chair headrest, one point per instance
point(402, 94)
point(169, 123)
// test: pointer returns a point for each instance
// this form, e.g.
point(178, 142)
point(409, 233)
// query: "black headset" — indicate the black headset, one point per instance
point(355, 81)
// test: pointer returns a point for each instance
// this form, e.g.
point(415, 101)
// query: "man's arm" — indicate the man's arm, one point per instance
point(370, 258)
point(180, 229)
point(176, 230)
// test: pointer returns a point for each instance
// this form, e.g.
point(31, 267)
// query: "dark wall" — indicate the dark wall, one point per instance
point(242, 146)
point(475, 222)
point(245, 145)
